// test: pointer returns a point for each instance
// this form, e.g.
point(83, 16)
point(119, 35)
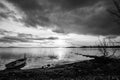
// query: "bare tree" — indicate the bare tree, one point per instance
point(107, 47)
point(102, 47)
point(116, 11)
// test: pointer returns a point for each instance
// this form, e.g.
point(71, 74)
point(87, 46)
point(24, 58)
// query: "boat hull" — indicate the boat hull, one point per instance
point(18, 64)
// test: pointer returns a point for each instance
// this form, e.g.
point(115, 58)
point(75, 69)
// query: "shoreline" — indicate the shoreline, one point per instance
point(78, 70)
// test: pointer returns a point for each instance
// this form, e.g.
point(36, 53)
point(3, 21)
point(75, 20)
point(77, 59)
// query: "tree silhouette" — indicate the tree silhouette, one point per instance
point(115, 11)
point(107, 52)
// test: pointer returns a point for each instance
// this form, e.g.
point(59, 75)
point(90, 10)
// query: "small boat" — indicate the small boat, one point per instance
point(18, 64)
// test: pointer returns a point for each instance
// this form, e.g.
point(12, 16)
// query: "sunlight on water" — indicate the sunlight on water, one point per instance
point(60, 52)
point(38, 57)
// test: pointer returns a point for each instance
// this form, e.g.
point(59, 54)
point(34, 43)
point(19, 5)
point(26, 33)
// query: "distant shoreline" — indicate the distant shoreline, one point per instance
point(69, 47)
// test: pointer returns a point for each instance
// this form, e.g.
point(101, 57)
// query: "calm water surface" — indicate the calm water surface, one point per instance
point(38, 57)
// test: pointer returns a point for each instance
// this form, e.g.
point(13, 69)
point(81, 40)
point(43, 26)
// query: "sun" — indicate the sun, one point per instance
point(60, 43)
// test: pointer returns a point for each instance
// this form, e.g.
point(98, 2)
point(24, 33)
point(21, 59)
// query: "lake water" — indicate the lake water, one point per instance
point(38, 57)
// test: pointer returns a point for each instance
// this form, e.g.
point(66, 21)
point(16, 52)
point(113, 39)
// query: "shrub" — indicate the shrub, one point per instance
point(107, 47)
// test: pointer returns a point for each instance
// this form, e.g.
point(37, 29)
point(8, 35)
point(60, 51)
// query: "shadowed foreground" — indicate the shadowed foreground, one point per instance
point(85, 70)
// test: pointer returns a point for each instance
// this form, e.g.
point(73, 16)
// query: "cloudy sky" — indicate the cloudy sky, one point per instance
point(50, 23)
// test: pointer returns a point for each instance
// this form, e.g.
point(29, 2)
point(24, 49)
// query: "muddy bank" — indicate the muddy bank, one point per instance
point(86, 70)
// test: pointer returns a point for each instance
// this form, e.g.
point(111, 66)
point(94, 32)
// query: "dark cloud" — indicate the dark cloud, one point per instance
point(2, 5)
point(37, 11)
point(5, 12)
point(2, 32)
point(2, 14)
point(48, 38)
point(5, 32)
point(11, 39)
point(32, 37)
point(27, 4)
point(35, 14)
point(22, 35)
point(52, 38)
point(3, 40)
point(58, 30)
point(70, 16)
point(72, 4)
point(87, 20)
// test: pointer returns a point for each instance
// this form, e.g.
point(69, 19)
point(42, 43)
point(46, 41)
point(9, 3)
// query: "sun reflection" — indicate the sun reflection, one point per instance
point(60, 52)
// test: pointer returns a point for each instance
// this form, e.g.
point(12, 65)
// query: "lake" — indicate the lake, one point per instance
point(38, 57)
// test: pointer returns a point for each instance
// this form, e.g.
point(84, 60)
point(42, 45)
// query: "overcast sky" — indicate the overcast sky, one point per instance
point(56, 22)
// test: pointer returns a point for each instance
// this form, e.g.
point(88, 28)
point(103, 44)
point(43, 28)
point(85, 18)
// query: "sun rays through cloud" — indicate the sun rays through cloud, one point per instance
point(45, 24)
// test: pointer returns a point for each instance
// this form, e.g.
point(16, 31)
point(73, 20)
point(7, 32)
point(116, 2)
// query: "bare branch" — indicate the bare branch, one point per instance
point(104, 50)
point(115, 12)
point(117, 5)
